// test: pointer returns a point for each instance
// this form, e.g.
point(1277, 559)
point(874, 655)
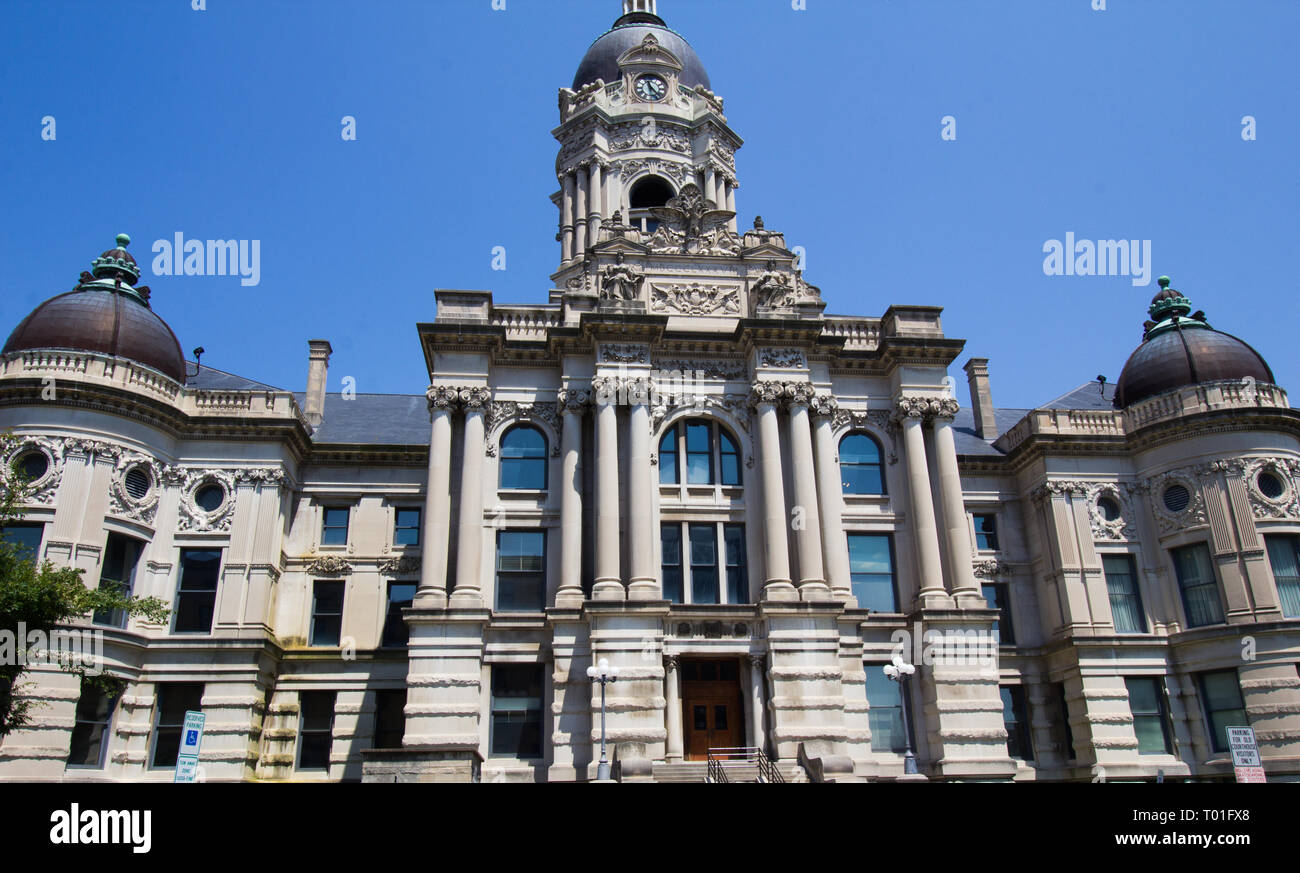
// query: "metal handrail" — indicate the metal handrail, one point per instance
point(720, 759)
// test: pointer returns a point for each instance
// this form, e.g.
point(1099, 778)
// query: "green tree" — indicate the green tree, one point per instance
point(41, 597)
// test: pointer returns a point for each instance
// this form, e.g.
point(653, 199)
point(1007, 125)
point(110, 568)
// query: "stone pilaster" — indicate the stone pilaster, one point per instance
point(573, 404)
point(764, 396)
point(812, 574)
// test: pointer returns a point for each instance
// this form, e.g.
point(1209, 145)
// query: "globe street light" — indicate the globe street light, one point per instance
point(899, 671)
point(603, 673)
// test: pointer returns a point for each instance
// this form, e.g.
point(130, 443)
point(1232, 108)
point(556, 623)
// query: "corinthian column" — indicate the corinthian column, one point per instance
point(830, 493)
point(572, 406)
point(566, 216)
point(580, 216)
point(436, 523)
point(764, 397)
point(965, 589)
point(469, 541)
point(812, 575)
point(673, 708)
point(595, 197)
point(609, 582)
point(912, 411)
point(643, 581)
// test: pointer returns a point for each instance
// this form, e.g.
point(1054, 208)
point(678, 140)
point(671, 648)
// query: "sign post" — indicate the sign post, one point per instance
point(1245, 755)
point(187, 759)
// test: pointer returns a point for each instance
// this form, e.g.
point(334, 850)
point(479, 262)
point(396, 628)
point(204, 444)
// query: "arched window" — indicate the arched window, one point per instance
point(523, 459)
point(703, 450)
point(860, 467)
point(646, 195)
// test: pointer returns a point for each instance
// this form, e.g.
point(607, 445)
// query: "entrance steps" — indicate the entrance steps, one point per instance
point(698, 771)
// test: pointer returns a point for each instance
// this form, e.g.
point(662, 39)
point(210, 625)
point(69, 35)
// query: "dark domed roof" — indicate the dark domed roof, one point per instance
point(1181, 351)
point(104, 314)
point(601, 60)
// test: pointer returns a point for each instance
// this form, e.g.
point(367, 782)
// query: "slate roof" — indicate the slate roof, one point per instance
point(1089, 395)
point(373, 419)
point(212, 379)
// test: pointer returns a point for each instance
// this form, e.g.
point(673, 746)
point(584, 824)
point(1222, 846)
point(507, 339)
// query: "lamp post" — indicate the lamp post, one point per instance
point(603, 673)
point(899, 671)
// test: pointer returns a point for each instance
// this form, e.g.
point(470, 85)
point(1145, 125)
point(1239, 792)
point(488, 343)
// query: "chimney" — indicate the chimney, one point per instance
point(318, 364)
point(981, 399)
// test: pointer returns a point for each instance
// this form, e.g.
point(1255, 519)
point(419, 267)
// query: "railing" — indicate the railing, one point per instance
point(743, 756)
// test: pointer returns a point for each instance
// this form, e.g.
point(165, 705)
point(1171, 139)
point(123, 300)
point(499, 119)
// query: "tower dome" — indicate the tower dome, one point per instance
point(104, 313)
point(1179, 350)
point(639, 20)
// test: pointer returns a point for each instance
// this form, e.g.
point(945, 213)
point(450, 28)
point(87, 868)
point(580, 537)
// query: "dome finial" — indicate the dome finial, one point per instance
point(116, 264)
point(123, 240)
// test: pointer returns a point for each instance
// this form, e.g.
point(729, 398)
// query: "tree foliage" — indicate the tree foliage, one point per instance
point(39, 596)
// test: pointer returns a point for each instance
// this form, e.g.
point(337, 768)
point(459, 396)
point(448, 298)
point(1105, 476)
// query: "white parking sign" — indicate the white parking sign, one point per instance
point(1245, 754)
point(187, 759)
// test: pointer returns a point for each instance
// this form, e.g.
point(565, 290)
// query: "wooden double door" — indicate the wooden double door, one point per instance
point(713, 710)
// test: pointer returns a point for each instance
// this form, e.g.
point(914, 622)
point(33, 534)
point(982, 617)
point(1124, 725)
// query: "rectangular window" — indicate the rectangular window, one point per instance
point(699, 454)
point(517, 710)
point(90, 732)
point(871, 570)
point(704, 563)
point(1198, 585)
point(885, 711)
point(121, 555)
point(27, 538)
point(998, 597)
point(986, 532)
point(1224, 708)
point(400, 596)
point(733, 536)
point(327, 613)
point(1125, 599)
point(315, 729)
point(174, 700)
point(668, 458)
point(334, 526)
point(521, 571)
point(1063, 707)
point(196, 594)
point(390, 718)
point(1015, 715)
point(406, 527)
point(1284, 556)
point(670, 541)
point(1146, 700)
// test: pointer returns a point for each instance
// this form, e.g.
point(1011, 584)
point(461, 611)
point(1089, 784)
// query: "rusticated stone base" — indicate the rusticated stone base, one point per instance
point(421, 764)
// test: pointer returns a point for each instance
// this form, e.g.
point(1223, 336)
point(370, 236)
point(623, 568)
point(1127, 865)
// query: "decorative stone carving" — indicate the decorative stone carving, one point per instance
point(705, 369)
point(690, 224)
point(442, 397)
point(502, 412)
point(606, 390)
point(328, 565)
point(42, 490)
point(990, 568)
point(621, 281)
point(1120, 529)
point(674, 170)
point(475, 399)
point(761, 393)
point(640, 135)
point(798, 394)
point(143, 509)
point(695, 298)
point(406, 565)
point(774, 289)
point(926, 408)
point(782, 358)
point(193, 517)
point(1286, 504)
point(573, 400)
point(824, 406)
point(1168, 521)
point(624, 353)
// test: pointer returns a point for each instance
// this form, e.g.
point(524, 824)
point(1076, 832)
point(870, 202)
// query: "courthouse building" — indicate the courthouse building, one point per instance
point(678, 462)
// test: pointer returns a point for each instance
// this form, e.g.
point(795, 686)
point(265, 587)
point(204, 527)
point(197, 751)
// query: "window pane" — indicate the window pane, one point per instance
point(517, 710)
point(121, 555)
point(90, 731)
point(697, 437)
point(1198, 584)
point(400, 596)
point(1146, 701)
point(986, 532)
point(737, 574)
point(1224, 707)
point(521, 571)
point(174, 700)
point(327, 614)
point(1125, 602)
point(1284, 556)
point(885, 713)
point(334, 530)
point(196, 596)
point(1017, 723)
point(406, 528)
point(315, 729)
point(871, 572)
point(730, 455)
point(27, 538)
point(670, 538)
point(997, 597)
point(390, 718)
point(704, 563)
point(860, 465)
point(668, 458)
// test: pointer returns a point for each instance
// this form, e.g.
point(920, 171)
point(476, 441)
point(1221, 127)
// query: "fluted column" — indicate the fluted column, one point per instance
point(469, 542)
point(609, 582)
point(566, 215)
point(720, 193)
point(580, 215)
point(643, 581)
point(595, 203)
point(435, 526)
point(965, 588)
point(673, 709)
point(614, 191)
point(711, 186)
point(911, 412)
point(731, 204)
point(757, 667)
point(572, 406)
point(812, 575)
point(830, 494)
point(777, 585)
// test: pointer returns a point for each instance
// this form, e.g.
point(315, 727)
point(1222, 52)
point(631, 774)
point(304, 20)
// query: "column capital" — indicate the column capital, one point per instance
point(758, 662)
point(442, 397)
point(926, 408)
point(606, 390)
point(823, 406)
point(766, 393)
point(671, 663)
point(798, 394)
point(573, 401)
point(475, 399)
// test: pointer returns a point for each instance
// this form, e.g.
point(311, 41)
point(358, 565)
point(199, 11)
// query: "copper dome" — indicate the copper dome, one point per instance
point(601, 60)
point(104, 314)
point(1180, 351)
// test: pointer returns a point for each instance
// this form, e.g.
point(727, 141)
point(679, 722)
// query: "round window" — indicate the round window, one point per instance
point(210, 496)
point(1109, 508)
point(33, 465)
point(1177, 497)
point(1270, 485)
point(137, 482)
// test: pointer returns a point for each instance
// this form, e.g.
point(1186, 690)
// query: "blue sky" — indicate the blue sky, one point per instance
point(225, 124)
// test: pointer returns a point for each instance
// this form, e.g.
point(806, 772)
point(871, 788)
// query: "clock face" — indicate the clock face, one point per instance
point(651, 88)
